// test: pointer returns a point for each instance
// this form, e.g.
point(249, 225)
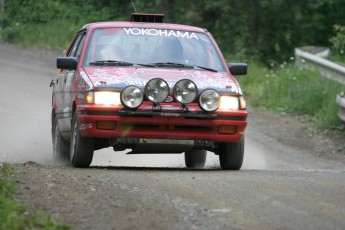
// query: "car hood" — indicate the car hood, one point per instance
point(110, 77)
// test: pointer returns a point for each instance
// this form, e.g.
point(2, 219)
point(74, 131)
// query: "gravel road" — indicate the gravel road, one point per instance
point(292, 177)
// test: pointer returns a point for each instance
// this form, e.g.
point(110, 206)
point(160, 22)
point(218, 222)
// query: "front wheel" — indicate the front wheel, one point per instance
point(195, 159)
point(81, 152)
point(231, 155)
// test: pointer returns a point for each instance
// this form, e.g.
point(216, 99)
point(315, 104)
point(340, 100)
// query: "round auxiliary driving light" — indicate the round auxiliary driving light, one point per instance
point(132, 97)
point(185, 91)
point(209, 100)
point(157, 90)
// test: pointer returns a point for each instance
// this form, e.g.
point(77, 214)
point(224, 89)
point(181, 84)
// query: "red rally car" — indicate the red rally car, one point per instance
point(151, 87)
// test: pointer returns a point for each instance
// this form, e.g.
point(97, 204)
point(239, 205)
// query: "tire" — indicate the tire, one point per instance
point(231, 155)
point(81, 151)
point(195, 159)
point(61, 147)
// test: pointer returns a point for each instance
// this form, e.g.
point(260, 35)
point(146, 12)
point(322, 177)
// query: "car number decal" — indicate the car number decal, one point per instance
point(170, 114)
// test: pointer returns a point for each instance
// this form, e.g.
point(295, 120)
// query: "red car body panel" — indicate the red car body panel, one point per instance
point(161, 126)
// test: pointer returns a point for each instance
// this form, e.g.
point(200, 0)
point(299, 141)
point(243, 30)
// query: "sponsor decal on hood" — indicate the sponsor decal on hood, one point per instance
point(122, 77)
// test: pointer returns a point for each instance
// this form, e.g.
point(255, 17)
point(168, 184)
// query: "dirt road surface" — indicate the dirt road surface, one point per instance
point(292, 177)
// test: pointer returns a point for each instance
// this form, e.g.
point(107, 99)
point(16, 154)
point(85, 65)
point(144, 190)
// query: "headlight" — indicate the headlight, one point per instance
point(209, 100)
point(157, 90)
point(103, 98)
point(185, 91)
point(132, 97)
point(243, 104)
point(229, 103)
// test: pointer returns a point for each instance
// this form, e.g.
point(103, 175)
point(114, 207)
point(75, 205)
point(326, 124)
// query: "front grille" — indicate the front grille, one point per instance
point(140, 126)
point(150, 113)
point(192, 127)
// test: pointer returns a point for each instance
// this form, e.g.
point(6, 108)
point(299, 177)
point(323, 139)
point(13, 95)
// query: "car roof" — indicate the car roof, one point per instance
point(143, 25)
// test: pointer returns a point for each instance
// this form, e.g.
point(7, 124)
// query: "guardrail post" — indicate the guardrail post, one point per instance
point(341, 102)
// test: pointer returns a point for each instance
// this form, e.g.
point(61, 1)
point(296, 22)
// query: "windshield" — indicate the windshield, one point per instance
point(152, 48)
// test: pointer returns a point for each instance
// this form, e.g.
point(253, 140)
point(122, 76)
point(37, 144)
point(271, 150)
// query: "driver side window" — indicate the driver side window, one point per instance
point(76, 49)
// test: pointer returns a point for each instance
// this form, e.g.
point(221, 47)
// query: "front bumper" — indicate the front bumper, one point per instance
point(160, 125)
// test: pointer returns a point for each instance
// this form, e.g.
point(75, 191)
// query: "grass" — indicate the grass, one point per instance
point(13, 214)
point(50, 35)
point(337, 58)
point(290, 89)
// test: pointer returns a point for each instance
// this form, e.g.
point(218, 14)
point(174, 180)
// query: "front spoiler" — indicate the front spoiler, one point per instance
point(161, 125)
point(152, 113)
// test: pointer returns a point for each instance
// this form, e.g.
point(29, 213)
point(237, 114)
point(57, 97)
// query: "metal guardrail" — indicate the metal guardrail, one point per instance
point(327, 69)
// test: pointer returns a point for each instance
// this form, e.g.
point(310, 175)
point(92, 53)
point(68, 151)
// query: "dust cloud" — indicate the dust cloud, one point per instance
point(24, 106)
point(107, 157)
point(254, 158)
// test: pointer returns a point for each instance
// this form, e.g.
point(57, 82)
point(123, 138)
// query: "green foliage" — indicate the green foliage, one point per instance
point(53, 23)
point(338, 41)
point(267, 30)
point(14, 215)
point(290, 89)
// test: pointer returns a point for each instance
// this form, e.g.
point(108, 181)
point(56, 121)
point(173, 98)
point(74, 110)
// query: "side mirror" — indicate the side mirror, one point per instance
point(238, 68)
point(69, 63)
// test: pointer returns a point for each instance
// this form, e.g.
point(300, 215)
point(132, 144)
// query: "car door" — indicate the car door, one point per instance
point(64, 88)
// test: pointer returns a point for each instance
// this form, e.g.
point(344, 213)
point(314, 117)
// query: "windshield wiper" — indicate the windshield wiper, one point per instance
point(170, 64)
point(180, 65)
point(206, 68)
point(145, 65)
point(110, 63)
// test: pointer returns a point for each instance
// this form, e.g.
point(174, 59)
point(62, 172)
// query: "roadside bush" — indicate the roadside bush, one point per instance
point(338, 41)
point(293, 90)
point(338, 45)
point(32, 22)
point(52, 23)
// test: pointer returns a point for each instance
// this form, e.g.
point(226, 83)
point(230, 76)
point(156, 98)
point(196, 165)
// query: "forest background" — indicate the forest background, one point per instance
point(266, 30)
